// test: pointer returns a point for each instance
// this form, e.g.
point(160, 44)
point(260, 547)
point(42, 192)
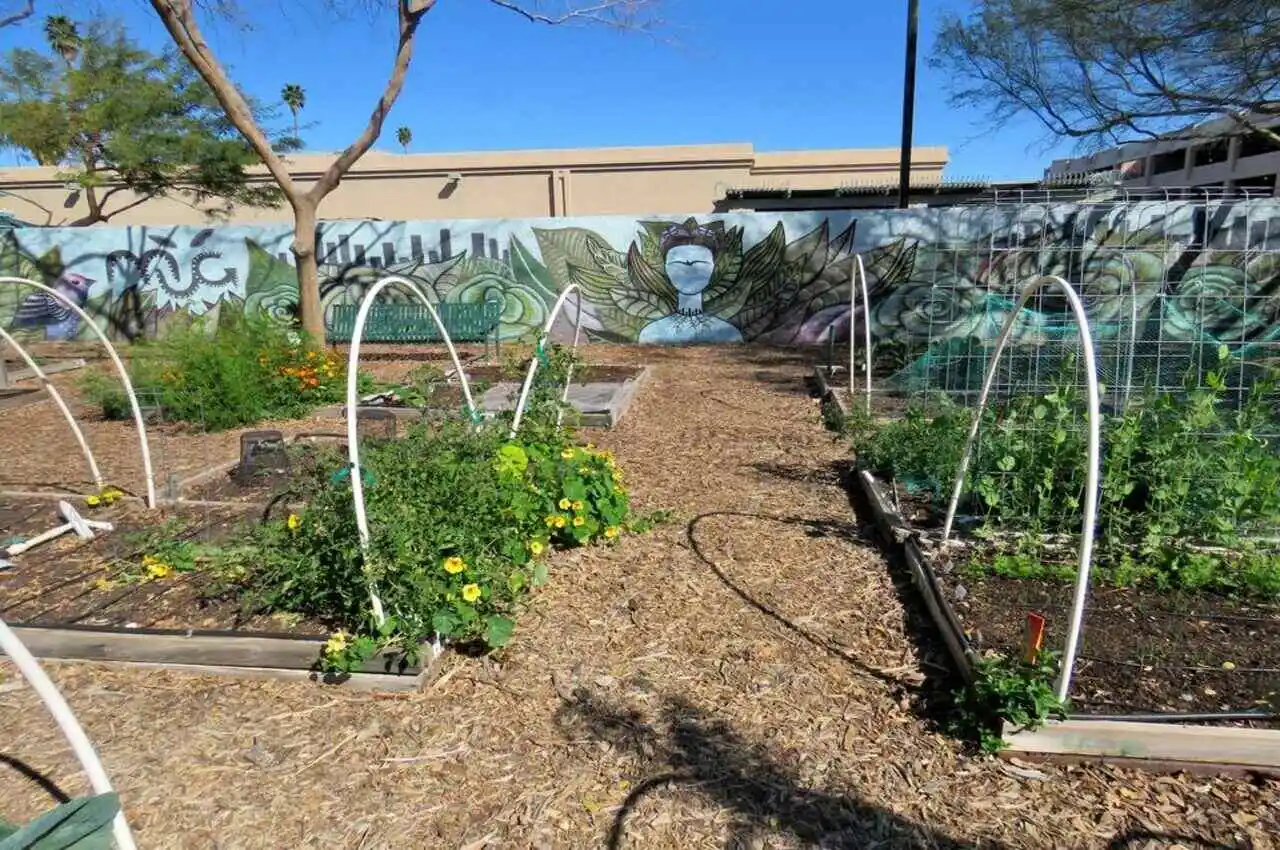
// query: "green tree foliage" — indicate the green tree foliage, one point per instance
point(1107, 71)
point(123, 124)
point(404, 137)
point(295, 98)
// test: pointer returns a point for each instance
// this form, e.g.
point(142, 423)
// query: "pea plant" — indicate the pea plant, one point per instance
point(1190, 484)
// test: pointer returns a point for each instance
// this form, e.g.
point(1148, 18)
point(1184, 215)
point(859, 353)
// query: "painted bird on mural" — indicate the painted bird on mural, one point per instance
point(42, 310)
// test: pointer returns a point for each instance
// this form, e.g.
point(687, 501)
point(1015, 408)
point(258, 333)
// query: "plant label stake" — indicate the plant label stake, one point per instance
point(1034, 638)
point(83, 528)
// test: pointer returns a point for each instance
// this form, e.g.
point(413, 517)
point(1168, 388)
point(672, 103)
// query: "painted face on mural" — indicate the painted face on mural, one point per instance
point(689, 268)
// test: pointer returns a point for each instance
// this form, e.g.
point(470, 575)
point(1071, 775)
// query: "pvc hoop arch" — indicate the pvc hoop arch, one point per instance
point(71, 728)
point(861, 275)
point(120, 370)
point(61, 404)
point(353, 442)
point(1093, 452)
point(542, 341)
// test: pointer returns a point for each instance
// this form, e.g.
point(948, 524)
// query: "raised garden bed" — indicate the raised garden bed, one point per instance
point(1148, 658)
point(98, 600)
point(599, 394)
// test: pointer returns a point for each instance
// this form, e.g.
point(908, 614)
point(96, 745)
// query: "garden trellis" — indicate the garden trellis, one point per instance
point(1179, 300)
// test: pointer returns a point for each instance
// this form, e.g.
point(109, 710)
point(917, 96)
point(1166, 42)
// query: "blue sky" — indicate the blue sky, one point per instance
point(803, 74)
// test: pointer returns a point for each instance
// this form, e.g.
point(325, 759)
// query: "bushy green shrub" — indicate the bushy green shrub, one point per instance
point(249, 370)
point(461, 520)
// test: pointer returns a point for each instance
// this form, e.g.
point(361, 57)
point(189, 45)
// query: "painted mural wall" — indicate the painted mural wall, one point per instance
point(1188, 270)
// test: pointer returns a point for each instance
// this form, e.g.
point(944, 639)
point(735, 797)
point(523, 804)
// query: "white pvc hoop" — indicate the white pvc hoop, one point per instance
point(120, 370)
point(542, 342)
point(71, 728)
point(1094, 453)
point(61, 404)
point(353, 442)
point(861, 275)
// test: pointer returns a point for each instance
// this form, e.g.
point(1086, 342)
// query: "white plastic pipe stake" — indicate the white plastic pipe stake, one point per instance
point(120, 370)
point(71, 729)
point(353, 401)
point(1093, 453)
point(860, 275)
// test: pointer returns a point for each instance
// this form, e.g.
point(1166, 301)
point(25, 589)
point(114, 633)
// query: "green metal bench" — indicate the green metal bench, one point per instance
point(411, 323)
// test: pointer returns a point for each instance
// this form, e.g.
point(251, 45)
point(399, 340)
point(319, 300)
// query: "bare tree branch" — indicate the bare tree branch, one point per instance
point(1099, 71)
point(20, 15)
point(635, 15)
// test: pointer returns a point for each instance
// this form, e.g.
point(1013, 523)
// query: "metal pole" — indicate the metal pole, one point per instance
point(908, 104)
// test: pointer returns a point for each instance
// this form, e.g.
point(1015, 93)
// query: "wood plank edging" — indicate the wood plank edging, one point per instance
point(390, 682)
point(240, 651)
point(1233, 746)
point(896, 532)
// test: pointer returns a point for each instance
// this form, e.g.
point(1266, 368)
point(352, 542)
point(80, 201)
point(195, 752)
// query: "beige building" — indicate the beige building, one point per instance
point(513, 184)
point(1216, 154)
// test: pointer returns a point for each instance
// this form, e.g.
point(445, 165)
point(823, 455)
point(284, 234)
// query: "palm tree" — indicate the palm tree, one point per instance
point(294, 98)
point(405, 137)
point(63, 37)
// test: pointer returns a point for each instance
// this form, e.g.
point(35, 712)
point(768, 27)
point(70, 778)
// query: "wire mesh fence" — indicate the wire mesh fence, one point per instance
point(1182, 295)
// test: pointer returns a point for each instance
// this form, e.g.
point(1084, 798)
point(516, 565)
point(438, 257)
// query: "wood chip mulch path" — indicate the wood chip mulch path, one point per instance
point(742, 677)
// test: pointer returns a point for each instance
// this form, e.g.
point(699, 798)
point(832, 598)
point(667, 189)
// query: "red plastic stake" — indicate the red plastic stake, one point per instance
point(1034, 638)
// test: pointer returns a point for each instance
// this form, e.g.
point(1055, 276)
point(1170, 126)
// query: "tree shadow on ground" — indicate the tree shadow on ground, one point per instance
point(686, 748)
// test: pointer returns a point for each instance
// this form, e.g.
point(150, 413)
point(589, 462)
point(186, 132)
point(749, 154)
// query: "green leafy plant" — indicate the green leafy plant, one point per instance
point(461, 521)
point(1006, 690)
point(252, 368)
point(83, 823)
point(1190, 487)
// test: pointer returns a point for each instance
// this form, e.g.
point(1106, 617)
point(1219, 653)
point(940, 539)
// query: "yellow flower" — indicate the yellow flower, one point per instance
point(559, 522)
point(148, 560)
point(582, 470)
point(536, 547)
point(93, 501)
point(565, 504)
point(551, 521)
point(611, 532)
point(567, 454)
point(471, 592)
point(579, 521)
point(577, 506)
point(336, 643)
point(104, 584)
point(294, 522)
point(454, 565)
point(159, 569)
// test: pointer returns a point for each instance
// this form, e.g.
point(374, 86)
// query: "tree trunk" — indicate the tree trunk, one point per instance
point(304, 253)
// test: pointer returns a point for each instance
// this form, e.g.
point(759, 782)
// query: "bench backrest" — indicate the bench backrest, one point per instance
point(412, 322)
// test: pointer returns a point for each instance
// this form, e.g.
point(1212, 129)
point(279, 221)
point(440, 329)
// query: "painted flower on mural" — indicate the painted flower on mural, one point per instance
point(1119, 288)
point(935, 310)
point(1220, 303)
point(280, 302)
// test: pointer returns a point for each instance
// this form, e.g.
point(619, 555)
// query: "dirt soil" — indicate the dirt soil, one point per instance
point(75, 582)
point(1142, 649)
point(750, 674)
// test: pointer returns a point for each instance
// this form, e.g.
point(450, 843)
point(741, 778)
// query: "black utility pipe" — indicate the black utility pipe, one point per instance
point(908, 104)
